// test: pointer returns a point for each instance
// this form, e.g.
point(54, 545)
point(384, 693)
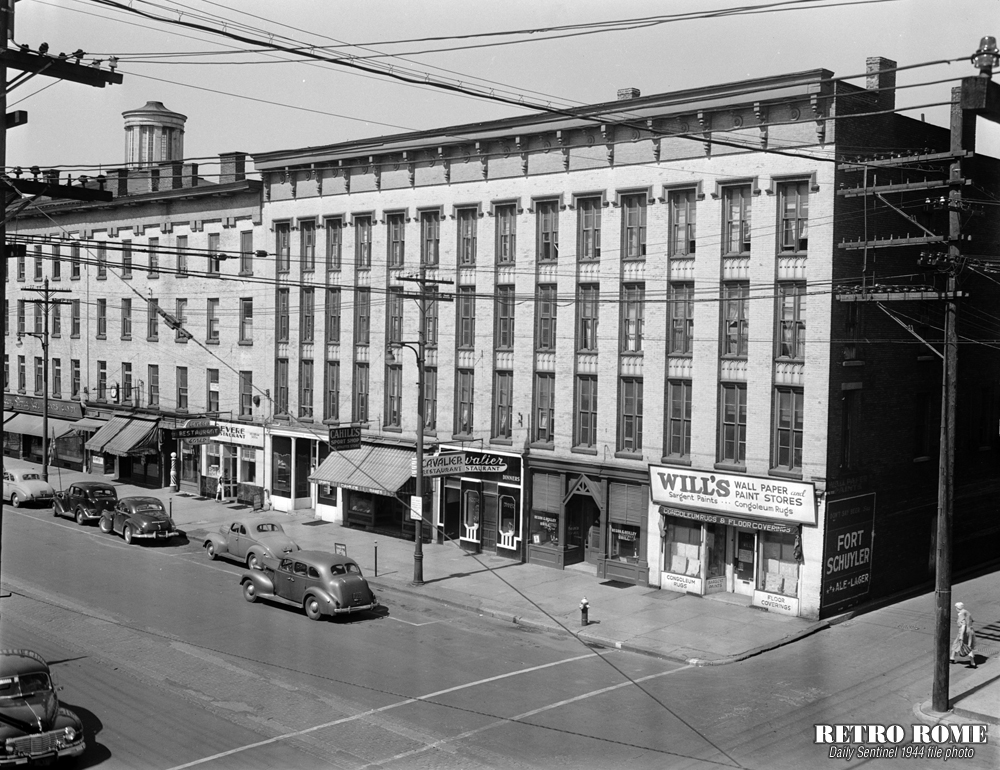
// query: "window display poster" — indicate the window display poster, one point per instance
point(847, 552)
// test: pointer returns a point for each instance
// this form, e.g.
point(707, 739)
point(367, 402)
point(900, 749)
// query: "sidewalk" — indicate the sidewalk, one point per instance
point(691, 629)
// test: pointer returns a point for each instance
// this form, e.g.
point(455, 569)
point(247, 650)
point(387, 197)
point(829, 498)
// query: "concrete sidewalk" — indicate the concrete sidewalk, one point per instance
point(695, 630)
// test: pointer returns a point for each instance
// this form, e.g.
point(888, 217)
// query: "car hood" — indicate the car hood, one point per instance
point(35, 486)
point(34, 714)
point(277, 542)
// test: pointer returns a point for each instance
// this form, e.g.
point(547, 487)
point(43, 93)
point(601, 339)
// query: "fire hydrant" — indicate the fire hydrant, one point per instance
point(584, 608)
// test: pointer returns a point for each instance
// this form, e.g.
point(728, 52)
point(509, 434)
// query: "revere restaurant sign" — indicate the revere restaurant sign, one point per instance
point(749, 497)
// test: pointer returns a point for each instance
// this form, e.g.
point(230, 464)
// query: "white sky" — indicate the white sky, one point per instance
point(76, 125)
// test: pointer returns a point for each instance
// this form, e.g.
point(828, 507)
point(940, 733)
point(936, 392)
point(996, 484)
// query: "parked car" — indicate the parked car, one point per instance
point(85, 501)
point(138, 517)
point(321, 583)
point(248, 540)
point(33, 726)
point(22, 486)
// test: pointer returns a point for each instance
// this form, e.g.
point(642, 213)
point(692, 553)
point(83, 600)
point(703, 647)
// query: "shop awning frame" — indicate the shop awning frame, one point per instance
point(31, 425)
point(114, 426)
point(137, 438)
point(88, 424)
point(378, 470)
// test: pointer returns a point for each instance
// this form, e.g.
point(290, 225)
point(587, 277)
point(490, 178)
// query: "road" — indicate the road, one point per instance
point(170, 668)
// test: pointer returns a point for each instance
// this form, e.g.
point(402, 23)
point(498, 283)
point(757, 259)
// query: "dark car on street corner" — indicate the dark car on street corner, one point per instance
point(139, 517)
point(248, 540)
point(85, 501)
point(321, 583)
point(33, 726)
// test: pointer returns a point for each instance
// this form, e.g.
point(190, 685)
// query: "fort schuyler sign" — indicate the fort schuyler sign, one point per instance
point(734, 494)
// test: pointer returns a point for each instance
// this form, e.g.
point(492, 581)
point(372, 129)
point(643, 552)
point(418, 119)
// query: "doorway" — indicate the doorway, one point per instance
point(743, 557)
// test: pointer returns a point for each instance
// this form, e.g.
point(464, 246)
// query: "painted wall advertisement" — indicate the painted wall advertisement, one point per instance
point(847, 553)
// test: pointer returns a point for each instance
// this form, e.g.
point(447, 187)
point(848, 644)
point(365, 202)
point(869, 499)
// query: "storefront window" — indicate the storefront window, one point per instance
point(471, 509)
point(625, 543)
point(544, 529)
point(281, 473)
point(682, 547)
point(715, 550)
point(248, 465)
point(779, 573)
point(508, 515)
point(189, 465)
point(212, 462)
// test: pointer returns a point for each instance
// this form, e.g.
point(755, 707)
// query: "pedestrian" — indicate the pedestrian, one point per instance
point(964, 645)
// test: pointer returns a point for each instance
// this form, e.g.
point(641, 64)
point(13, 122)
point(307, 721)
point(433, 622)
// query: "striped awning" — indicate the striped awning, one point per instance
point(136, 438)
point(376, 469)
point(113, 427)
point(88, 425)
point(31, 425)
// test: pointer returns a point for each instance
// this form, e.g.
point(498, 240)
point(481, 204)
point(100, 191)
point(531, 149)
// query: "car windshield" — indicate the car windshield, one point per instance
point(148, 508)
point(27, 684)
point(103, 492)
point(30, 477)
point(268, 527)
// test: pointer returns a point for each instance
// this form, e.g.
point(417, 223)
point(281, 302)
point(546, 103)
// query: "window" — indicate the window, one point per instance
point(547, 222)
point(281, 386)
point(545, 331)
point(360, 392)
point(306, 388)
point(464, 404)
point(39, 316)
point(331, 404)
point(431, 318)
point(283, 311)
point(153, 374)
point(393, 395)
point(74, 261)
point(39, 376)
point(794, 209)
point(430, 397)
point(126, 318)
point(506, 223)
point(430, 237)
point(630, 415)
point(154, 257)
point(246, 253)
point(182, 255)
point(333, 243)
point(733, 424)
point(214, 260)
point(735, 325)
point(282, 246)
point(126, 259)
point(152, 320)
point(787, 445)
point(791, 321)
point(681, 333)
point(102, 380)
point(180, 313)
point(6, 371)
point(396, 226)
point(56, 262)
point(362, 316)
point(212, 394)
point(126, 382)
point(545, 406)
point(682, 223)
point(307, 315)
point(246, 394)
point(246, 320)
point(779, 573)
point(20, 265)
point(102, 260)
point(74, 377)
point(307, 245)
point(363, 243)
point(504, 332)
point(102, 319)
point(677, 436)
point(21, 375)
point(182, 388)
point(503, 398)
point(634, 226)
point(466, 332)
point(736, 237)
point(20, 314)
point(333, 316)
point(586, 412)
point(394, 315)
point(467, 236)
point(74, 319)
point(56, 377)
point(633, 313)
point(588, 218)
point(38, 263)
point(588, 311)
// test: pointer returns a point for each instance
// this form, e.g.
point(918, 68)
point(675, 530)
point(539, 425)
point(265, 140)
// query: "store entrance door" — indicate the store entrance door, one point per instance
point(743, 558)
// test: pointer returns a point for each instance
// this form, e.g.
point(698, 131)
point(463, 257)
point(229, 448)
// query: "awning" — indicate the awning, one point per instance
point(31, 425)
point(136, 438)
point(8, 416)
point(88, 425)
point(376, 469)
point(112, 428)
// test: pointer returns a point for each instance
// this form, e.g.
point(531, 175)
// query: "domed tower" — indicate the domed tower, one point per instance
point(153, 135)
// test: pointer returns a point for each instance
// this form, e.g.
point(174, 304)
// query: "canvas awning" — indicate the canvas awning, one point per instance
point(88, 425)
point(31, 425)
point(136, 438)
point(376, 469)
point(112, 428)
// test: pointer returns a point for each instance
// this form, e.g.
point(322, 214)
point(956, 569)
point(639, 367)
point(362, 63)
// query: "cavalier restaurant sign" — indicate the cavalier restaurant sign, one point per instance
point(736, 495)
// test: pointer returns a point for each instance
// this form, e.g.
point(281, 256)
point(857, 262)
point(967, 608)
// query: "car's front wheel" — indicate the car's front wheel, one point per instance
point(106, 525)
point(127, 534)
point(313, 611)
point(15, 500)
point(253, 561)
point(250, 592)
point(210, 550)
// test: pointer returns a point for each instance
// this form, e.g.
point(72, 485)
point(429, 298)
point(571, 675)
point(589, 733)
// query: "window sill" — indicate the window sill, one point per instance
point(102, 278)
point(244, 273)
point(785, 474)
point(152, 339)
point(306, 418)
point(245, 343)
point(628, 455)
point(212, 342)
point(126, 338)
point(74, 336)
point(126, 276)
point(583, 450)
point(244, 417)
point(501, 441)
point(678, 460)
point(75, 278)
point(731, 467)
point(102, 336)
point(542, 445)
point(181, 340)
point(152, 276)
point(853, 362)
point(459, 436)
point(392, 429)
point(181, 275)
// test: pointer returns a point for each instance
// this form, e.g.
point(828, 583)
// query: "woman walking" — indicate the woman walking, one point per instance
point(964, 645)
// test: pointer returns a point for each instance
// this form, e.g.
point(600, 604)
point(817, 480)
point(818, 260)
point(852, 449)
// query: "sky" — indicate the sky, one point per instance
point(258, 102)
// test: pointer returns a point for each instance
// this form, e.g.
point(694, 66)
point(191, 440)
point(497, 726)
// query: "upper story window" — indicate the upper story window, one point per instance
point(504, 332)
point(467, 222)
point(246, 319)
point(396, 230)
point(680, 297)
point(588, 314)
point(465, 336)
point(736, 299)
point(212, 313)
point(307, 314)
point(588, 237)
point(736, 235)
point(791, 337)
point(363, 243)
point(102, 260)
point(362, 316)
point(182, 255)
point(283, 246)
point(283, 312)
point(682, 223)
point(334, 243)
point(506, 223)
point(633, 317)
point(430, 237)
point(794, 212)
point(126, 259)
point(307, 245)
point(214, 260)
point(246, 252)
point(154, 258)
point(545, 313)
point(547, 219)
point(634, 226)
point(38, 263)
point(394, 315)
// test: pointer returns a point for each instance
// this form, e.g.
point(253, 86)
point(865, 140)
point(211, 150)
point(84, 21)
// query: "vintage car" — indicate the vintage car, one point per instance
point(138, 517)
point(248, 540)
point(21, 486)
point(321, 583)
point(85, 501)
point(33, 726)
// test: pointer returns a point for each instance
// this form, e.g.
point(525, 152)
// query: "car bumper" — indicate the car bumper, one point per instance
point(355, 608)
point(10, 760)
point(156, 535)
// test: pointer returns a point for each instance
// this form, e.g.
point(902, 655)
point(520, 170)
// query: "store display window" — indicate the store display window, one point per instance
point(779, 572)
point(682, 547)
point(715, 550)
point(544, 529)
point(625, 542)
point(248, 465)
point(470, 508)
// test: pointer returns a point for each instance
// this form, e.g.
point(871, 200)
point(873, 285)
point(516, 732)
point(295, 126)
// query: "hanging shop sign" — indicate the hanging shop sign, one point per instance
point(731, 521)
point(64, 410)
point(847, 552)
point(489, 466)
point(240, 433)
point(449, 464)
point(197, 428)
point(737, 495)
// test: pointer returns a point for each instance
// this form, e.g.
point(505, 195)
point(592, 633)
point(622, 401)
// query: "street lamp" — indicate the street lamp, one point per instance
point(418, 542)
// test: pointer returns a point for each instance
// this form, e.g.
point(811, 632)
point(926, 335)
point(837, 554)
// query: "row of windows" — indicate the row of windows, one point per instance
point(682, 240)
